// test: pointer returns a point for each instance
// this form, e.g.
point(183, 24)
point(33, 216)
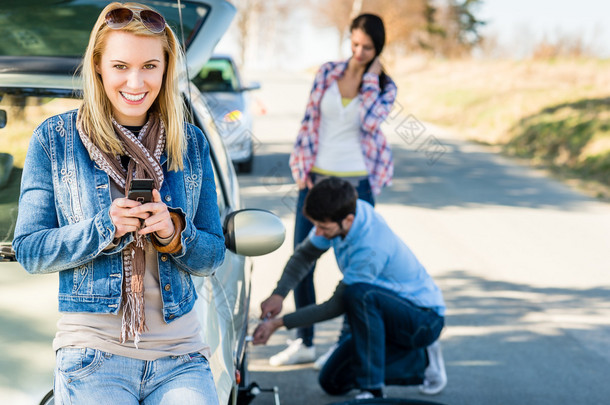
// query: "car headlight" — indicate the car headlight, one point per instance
point(233, 116)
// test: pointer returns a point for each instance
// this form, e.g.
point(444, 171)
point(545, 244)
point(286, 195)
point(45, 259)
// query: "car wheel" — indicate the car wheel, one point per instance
point(48, 399)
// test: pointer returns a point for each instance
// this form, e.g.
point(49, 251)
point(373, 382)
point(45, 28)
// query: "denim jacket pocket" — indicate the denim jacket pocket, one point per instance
point(82, 279)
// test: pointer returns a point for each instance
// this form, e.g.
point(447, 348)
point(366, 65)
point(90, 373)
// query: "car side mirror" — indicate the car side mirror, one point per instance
point(2, 118)
point(251, 86)
point(253, 232)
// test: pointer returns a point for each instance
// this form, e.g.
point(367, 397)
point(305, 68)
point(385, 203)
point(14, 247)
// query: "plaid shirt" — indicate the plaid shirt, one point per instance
point(376, 105)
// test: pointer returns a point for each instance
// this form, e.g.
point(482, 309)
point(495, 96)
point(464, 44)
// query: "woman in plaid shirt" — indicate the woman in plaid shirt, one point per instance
point(340, 136)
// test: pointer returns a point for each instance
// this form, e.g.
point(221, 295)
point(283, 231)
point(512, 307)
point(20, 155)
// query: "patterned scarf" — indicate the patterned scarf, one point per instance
point(144, 152)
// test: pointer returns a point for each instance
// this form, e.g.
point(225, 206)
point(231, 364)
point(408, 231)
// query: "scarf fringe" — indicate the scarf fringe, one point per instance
point(139, 242)
point(134, 321)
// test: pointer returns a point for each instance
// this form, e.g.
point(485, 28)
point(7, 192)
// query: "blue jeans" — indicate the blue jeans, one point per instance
point(89, 376)
point(402, 367)
point(384, 327)
point(305, 293)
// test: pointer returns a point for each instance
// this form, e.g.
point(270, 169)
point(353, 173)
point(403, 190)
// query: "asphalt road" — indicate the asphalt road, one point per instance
point(523, 262)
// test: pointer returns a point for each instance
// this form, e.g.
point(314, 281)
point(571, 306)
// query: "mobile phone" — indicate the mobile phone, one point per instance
point(141, 190)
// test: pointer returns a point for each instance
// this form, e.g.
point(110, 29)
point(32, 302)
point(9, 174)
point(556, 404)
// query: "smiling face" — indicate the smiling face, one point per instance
point(131, 68)
point(363, 49)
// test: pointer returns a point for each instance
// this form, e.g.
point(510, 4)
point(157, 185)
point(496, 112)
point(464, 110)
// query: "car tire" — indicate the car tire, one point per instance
point(48, 399)
point(380, 401)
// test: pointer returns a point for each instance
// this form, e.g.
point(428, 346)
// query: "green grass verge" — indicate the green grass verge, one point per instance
point(554, 113)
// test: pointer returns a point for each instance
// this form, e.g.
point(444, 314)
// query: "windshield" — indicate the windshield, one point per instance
point(217, 75)
point(62, 28)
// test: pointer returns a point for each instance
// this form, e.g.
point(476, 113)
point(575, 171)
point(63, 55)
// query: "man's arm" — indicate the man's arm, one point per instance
point(311, 314)
point(297, 267)
point(305, 254)
point(303, 317)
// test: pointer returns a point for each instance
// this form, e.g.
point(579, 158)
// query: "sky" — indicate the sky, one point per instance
point(517, 25)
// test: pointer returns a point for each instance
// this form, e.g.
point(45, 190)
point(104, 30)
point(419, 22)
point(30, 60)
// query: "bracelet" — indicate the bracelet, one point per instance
point(175, 245)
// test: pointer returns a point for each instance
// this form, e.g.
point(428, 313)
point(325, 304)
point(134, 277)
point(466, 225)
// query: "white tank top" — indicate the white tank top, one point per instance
point(339, 149)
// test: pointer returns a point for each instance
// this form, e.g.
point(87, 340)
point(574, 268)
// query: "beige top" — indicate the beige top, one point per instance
point(102, 331)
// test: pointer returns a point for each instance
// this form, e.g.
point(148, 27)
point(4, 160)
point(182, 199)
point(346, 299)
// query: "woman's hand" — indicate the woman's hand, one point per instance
point(132, 216)
point(305, 184)
point(123, 219)
point(376, 66)
point(158, 219)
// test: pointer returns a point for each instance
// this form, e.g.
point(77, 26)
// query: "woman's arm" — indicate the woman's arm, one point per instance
point(40, 244)
point(302, 158)
point(203, 244)
point(376, 103)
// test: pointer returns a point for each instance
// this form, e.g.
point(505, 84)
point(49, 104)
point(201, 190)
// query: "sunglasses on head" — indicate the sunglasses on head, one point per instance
point(120, 17)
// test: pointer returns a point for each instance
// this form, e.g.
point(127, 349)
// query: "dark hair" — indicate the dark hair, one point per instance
point(332, 199)
point(372, 25)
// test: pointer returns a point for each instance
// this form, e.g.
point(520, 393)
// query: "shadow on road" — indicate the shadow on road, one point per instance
point(501, 331)
point(463, 176)
point(466, 175)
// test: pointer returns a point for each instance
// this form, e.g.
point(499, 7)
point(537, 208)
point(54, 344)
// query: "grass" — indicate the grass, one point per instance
point(554, 113)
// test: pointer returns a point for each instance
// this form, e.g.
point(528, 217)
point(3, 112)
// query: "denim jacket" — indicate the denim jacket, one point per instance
point(64, 222)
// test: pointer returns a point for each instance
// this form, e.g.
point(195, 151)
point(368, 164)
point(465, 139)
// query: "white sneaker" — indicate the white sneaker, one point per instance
point(324, 358)
point(435, 377)
point(364, 395)
point(295, 353)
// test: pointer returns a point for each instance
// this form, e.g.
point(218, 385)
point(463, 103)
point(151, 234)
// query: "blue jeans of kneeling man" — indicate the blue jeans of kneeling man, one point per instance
point(388, 342)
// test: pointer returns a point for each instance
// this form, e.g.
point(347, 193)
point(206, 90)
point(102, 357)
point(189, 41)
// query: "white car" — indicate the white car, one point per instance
point(231, 104)
point(40, 50)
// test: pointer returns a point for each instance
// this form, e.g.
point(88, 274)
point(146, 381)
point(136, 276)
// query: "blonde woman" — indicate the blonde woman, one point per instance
point(128, 333)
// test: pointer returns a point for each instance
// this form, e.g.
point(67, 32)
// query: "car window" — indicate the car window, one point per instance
point(23, 115)
point(217, 75)
point(43, 28)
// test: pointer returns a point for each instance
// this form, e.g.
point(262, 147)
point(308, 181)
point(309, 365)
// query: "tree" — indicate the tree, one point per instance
point(336, 14)
point(457, 28)
point(445, 27)
point(258, 21)
point(408, 23)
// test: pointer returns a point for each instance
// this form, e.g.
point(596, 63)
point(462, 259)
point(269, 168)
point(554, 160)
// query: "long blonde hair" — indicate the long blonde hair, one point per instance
point(96, 110)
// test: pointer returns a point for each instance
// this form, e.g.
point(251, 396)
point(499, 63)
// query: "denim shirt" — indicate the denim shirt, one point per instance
point(64, 222)
point(372, 253)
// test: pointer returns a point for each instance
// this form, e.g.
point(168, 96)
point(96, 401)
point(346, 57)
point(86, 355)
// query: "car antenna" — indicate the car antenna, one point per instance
point(186, 67)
